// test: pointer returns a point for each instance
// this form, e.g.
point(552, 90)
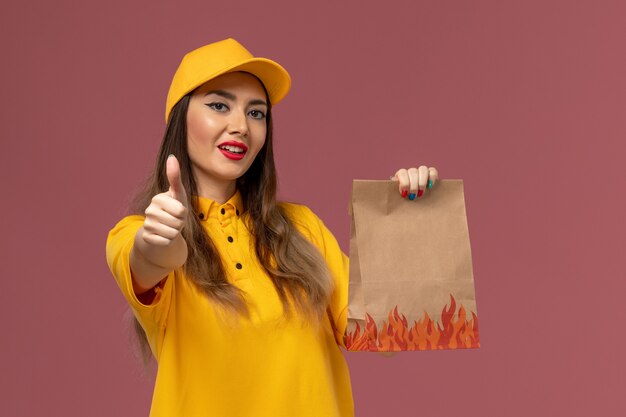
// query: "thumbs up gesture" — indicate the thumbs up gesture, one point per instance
point(172, 170)
point(167, 212)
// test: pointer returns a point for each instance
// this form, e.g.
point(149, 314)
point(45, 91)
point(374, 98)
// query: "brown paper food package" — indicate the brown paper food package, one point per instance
point(411, 280)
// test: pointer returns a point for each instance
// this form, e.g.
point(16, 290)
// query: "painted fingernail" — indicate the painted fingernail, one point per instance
point(404, 193)
point(412, 196)
point(419, 193)
point(430, 184)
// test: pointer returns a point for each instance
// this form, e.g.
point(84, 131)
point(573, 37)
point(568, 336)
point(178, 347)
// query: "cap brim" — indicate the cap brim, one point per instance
point(274, 77)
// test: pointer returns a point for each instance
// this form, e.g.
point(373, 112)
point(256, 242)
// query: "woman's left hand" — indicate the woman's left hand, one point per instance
point(413, 182)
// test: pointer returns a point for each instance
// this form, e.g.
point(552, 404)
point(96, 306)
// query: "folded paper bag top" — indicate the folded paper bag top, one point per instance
point(411, 280)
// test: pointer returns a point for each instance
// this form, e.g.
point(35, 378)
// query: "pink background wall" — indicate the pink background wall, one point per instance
point(524, 101)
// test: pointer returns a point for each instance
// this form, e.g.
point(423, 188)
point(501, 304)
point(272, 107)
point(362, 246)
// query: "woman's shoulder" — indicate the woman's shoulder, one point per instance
point(302, 217)
point(309, 224)
point(129, 220)
point(298, 212)
point(125, 227)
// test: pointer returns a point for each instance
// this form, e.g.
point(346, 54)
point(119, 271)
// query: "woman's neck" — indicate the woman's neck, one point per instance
point(216, 190)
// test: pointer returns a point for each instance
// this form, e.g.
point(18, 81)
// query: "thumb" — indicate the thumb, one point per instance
point(172, 170)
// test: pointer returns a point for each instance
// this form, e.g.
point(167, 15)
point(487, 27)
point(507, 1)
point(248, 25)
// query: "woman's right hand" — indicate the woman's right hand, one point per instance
point(159, 247)
point(167, 213)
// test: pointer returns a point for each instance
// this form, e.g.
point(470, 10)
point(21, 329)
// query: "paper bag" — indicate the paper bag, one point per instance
point(411, 281)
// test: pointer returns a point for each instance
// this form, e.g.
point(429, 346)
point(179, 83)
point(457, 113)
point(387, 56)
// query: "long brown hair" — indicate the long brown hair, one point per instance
point(295, 265)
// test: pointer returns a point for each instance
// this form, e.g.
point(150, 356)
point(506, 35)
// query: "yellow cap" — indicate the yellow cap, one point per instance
point(215, 59)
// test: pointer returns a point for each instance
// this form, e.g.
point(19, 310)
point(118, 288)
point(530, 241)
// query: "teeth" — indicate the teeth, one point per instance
point(231, 148)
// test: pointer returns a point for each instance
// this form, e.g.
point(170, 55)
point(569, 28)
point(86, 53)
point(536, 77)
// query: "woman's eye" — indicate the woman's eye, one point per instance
point(218, 106)
point(257, 114)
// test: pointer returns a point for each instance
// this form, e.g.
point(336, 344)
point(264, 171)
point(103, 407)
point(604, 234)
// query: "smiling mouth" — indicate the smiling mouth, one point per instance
point(233, 149)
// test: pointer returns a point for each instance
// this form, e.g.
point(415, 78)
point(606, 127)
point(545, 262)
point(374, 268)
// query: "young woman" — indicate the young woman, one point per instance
point(242, 300)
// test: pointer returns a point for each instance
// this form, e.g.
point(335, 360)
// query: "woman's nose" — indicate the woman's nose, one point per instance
point(238, 123)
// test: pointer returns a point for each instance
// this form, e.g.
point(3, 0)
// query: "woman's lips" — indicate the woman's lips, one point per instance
point(230, 154)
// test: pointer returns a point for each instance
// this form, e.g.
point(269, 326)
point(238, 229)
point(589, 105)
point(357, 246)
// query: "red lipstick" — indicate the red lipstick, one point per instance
point(233, 154)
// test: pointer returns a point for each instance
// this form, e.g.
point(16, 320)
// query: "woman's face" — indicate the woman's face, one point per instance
point(226, 127)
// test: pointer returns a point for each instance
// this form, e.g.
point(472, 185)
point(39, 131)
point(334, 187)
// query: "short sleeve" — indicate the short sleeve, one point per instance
point(338, 265)
point(152, 317)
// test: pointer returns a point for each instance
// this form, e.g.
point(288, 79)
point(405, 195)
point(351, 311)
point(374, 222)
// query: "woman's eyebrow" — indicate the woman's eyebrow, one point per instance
point(231, 96)
point(222, 93)
point(257, 102)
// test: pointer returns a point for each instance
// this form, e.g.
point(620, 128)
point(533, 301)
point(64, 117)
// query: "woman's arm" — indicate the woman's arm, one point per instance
point(149, 263)
point(159, 247)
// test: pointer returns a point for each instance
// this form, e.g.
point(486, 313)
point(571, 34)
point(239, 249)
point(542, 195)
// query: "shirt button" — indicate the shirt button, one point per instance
point(223, 211)
point(201, 215)
point(230, 239)
point(238, 266)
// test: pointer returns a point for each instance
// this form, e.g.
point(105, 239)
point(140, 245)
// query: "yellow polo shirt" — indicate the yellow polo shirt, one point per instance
point(265, 367)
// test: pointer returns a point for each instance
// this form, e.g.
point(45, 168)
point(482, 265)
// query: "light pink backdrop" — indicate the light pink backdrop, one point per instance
point(525, 101)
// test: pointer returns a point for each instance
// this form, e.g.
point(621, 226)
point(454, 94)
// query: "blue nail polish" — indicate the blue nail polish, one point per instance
point(430, 184)
point(412, 196)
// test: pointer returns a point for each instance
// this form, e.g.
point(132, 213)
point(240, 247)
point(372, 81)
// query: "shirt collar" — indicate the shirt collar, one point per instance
point(207, 208)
